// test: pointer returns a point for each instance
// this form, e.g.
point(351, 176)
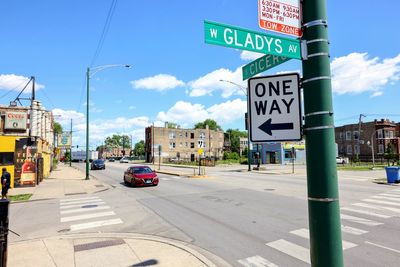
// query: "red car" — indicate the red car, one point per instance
point(140, 176)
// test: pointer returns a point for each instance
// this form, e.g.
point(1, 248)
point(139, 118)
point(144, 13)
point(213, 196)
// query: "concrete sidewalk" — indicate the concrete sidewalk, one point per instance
point(96, 248)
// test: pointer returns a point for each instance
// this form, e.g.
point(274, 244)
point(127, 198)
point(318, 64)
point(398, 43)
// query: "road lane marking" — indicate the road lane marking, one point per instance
point(303, 232)
point(367, 213)
point(82, 205)
point(381, 202)
point(387, 198)
point(87, 216)
point(390, 195)
point(76, 199)
point(75, 227)
point(256, 261)
point(80, 202)
point(359, 220)
point(353, 230)
point(84, 210)
point(380, 246)
point(291, 249)
point(376, 207)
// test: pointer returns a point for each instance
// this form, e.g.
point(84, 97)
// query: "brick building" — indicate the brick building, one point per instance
point(375, 135)
point(178, 144)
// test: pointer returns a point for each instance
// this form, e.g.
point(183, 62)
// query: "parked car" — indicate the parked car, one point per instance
point(342, 160)
point(98, 164)
point(124, 160)
point(140, 176)
point(111, 159)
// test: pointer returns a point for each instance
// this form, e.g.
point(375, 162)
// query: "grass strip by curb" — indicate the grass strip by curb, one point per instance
point(20, 197)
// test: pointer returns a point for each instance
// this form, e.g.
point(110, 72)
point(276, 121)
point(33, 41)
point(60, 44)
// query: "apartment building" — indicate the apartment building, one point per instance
point(176, 144)
point(374, 137)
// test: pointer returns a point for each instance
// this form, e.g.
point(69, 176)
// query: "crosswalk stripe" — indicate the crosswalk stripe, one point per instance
point(80, 202)
point(376, 207)
point(165, 179)
point(87, 216)
point(381, 202)
point(387, 198)
point(82, 205)
point(291, 249)
point(76, 199)
point(84, 210)
point(306, 234)
point(75, 227)
point(256, 261)
point(367, 213)
point(352, 230)
point(359, 220)
point(390, 195)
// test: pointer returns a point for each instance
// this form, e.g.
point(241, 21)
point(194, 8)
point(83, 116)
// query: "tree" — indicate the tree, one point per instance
point(139, 148)
point(390, 154)
point(118, 141)
point(212, 124)
point(57, 128)
point(233, 136)
point(172, 125)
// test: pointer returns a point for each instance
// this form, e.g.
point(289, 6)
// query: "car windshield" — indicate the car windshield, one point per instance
point(97, 161)
point(142, 170)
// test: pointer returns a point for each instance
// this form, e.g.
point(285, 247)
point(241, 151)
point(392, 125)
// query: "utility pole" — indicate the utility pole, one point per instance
point(323, 194)
point(359, 136)
point(87, 123)
point(152, 142)
point(70, 148)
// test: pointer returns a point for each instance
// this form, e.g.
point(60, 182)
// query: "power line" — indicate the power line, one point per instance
point(12, 89)
point(105, 31)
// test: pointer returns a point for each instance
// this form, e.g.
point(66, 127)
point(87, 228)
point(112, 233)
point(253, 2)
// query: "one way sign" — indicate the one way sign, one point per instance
point(275, 108)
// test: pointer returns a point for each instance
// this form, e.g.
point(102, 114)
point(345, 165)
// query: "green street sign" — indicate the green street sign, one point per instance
point(235, 37)
point(261, 64)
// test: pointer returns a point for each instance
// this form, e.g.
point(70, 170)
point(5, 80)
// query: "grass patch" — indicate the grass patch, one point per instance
point(20, 197)
point(359, 167)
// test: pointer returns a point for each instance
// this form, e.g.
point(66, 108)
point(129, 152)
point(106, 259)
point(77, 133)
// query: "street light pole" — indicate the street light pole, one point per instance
point(245, 90)
point(88, 75)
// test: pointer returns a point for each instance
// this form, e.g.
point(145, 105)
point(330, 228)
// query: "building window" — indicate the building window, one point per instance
point(171, 135)
point(389, 134)
point(380, 133)
point(348, 135)
point(356, 135)
point(6, 158)
point(381, 149)
point(349, 149)
point(341, 135)
point(171, 145)
point(191, 135)
point(186, 134)
point(186, 144)
point(191, 145)
point(202, 135)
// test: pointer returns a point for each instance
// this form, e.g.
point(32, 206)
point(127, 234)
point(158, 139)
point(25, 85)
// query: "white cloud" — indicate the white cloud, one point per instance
point(376, 94)
point(211, 82)
point(17, 83)
point(356, 73)
point(131, 107)
point(250, 56)
point(160, 82)
point(187, 114)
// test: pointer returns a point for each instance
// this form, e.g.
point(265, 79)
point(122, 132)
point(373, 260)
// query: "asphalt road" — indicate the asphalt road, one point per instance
point(252, 219)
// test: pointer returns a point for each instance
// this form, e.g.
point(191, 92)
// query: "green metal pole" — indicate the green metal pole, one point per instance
point(322, 183)
point(87, 123)
point(248, 133)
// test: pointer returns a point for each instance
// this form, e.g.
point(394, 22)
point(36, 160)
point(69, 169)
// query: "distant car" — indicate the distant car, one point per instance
point(140, 176)
point(111, 159)
point(342, 160)
point(124, 160)
point(98, 164)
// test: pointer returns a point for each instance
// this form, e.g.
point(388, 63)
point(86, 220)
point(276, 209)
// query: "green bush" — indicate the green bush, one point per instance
point(231, 156)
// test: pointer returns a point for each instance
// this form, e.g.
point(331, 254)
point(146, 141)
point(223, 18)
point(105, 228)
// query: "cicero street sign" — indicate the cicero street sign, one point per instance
point(281, 16)
point(275, 108)
point(238, 38)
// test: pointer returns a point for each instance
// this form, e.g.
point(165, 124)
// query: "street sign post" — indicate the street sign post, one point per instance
point(281, 16)
point(262, 64)
point(275, 109)
point(244, 39)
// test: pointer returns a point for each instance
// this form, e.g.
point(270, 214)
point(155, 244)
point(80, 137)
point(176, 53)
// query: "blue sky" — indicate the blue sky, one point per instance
point(175, 75)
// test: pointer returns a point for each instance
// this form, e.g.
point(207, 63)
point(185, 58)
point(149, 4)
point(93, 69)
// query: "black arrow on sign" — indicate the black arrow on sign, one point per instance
point(268, 127)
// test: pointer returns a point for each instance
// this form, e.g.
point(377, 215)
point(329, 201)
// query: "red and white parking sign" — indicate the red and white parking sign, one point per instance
point(281, 16)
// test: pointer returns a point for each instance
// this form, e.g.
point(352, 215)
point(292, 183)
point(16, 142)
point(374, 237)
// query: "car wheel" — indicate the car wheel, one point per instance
point(132, 182)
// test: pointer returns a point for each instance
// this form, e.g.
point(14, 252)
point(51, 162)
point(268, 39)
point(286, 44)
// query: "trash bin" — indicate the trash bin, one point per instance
point(392, 174)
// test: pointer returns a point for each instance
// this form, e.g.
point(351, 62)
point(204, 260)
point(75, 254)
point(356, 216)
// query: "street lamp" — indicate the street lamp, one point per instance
point(244, 89)
point(89, 73)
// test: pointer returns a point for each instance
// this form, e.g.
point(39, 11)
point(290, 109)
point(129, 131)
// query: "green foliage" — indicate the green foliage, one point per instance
point(231, 156)
point(139, 148)
point(212, 124)
point(390, 154)
point(67, 156)
point(172, 125)
point(20, 197)
point(57, 128)
point(117, 140)
point(233, 135)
